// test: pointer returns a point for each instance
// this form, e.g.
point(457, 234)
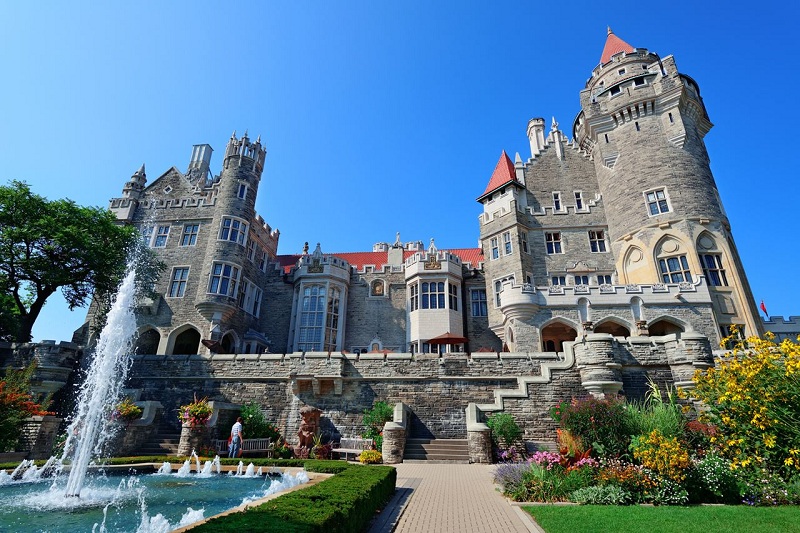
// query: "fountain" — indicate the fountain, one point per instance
point(36, 499)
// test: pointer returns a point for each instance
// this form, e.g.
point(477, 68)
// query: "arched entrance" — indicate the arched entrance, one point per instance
point(228, 344)
point(147, 342)
point(187, 342)
point(615, 329)
point(663, 327)
point(555, 334)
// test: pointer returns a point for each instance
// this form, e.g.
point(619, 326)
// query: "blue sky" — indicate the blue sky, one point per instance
point(381, 117)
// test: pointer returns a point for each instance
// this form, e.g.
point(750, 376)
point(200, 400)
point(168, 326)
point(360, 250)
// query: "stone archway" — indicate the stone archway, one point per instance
point(147, 342)
point(614, 328)
point(664, 327)
point(187, 342)
point(555, 334)
point(228, 344)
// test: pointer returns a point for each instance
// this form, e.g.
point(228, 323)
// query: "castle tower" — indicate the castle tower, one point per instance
point(228, 262)
point(642, 122)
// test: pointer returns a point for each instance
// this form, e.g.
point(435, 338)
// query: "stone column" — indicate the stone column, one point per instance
point(394, 443)
point(479, 437)
point(692, 353)
point(600, 372)
point(193, 438)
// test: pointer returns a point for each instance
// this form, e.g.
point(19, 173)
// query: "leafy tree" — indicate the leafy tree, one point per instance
point(17, 404)
point(50, 245)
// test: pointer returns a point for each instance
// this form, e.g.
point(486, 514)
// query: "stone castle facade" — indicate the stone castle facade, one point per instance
point(606, 260)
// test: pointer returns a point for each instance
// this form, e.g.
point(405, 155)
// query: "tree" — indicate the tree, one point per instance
point(50, 245)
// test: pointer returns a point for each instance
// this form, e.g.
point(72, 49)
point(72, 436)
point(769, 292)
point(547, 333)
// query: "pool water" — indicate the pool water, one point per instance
point(140, 503)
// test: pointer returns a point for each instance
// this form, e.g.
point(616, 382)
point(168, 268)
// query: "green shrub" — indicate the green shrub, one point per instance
point(374, 419)
point(540, 484)
point(602, 495)
point(668, 492)
point(600, 424)
point(17, 404)
point(655, 413)
point(255, 425)
point(505, 430)
point(712, 481)
point(343, 503)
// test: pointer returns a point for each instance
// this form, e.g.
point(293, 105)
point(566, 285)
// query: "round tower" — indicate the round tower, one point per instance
point(642, 123)
point(226, 263)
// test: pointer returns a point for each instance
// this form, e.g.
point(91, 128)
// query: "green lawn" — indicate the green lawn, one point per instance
point(643, 519)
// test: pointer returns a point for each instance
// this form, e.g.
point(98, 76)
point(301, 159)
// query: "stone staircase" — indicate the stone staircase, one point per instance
point(163, 442)
point(436, 450)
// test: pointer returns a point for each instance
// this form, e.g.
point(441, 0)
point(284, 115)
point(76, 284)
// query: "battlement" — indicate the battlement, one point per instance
point(242, 153)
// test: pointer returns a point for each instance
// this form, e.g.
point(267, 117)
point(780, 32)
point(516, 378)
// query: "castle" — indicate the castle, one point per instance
point(606, 260)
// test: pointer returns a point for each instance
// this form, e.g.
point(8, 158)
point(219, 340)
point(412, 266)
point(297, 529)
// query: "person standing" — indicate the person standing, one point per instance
point(236, 439)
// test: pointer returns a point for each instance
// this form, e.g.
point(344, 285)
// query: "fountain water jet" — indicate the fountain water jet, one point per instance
point(103, 385)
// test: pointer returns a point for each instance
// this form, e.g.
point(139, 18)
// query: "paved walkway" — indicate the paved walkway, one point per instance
point(445, 498)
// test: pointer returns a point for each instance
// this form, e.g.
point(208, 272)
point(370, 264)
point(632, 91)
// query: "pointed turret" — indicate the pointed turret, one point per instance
point(503, 175)
point(614, 45)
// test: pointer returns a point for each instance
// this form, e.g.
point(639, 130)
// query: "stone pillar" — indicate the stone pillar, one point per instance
point(394, 443)
point(692, 353)
point(193, 438)
point(600, 372)
point(479, 437)
point(37, 435)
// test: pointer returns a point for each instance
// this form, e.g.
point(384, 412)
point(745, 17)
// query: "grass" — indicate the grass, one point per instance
point(644, 519)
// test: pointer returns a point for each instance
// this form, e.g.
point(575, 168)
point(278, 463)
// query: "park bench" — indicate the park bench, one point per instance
point(353, 446)
point(248, 446)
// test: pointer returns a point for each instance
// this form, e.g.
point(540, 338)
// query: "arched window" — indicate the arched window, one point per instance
point(147, 342)
point(663, 327)
point(613, 328)
point(228, 344)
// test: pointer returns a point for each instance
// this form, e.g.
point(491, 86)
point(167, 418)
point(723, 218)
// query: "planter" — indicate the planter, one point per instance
point(193, 438)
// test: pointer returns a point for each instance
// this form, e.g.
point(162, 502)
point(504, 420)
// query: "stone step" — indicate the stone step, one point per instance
point(437, 461)
point(436, 450)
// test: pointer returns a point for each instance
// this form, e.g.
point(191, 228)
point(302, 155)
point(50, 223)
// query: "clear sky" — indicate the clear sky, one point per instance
point(382, 117)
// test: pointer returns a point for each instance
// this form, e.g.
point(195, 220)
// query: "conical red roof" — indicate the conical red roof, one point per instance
point(614, 45)
point(503, 174)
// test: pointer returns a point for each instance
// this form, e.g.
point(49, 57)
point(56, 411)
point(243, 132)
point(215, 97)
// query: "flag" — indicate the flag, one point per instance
point(764, 308)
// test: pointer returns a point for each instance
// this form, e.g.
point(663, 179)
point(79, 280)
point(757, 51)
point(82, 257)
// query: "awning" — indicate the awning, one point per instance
point(448, 338)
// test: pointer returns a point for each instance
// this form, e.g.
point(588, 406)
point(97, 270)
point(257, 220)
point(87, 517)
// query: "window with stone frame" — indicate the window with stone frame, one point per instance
point(558, 280)
point(498, 288)
point(674, 269)
point(553, 242)
point(495, 248)
point(507, 249)
point(224, 279)
point(578, 200)
point(332, 320)
point(556, 201)
point(604, 279)
point(713, 270)
point(262, 262)
point(523, 239)
point(162, 233)
point(177, 284)
point(241, 192)
point(581, 280)
point(414, 296)
point(432, 295)
point(233, 229)
point(657, 201)
point(251, 249)
point(452, 289)
point(250, 298)
point(478, 302)
point(597, 241)
point(189, 237)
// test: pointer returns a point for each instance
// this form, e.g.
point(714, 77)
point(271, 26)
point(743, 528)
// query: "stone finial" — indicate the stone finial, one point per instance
point(432, 247)
point(305, 248)
point(397, 241)
point(517, 158)
point(554, 125)
point(609, 31)
point(233, 135)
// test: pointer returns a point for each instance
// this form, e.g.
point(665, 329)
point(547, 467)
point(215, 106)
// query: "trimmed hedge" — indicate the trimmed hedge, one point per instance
point(343, 503)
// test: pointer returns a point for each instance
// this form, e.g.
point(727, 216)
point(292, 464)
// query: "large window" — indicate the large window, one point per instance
point(233, 230)
point(712, 268)
point(553, 241)
point(251, 249)
point(177, 285)
point(498, 289)
point(657, 201)
point(250, 298)
point(453, 299)
point(312, 311)
point(674, 269)
point(224, 278)
point(597, 241)
point(432, 294)
point(478, 301)
point(332, 320)
point(189, 237)
point(414, 300)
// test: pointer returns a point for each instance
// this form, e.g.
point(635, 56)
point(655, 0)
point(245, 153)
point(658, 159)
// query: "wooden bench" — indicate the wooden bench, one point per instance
point(249, 445)
point(351, 446)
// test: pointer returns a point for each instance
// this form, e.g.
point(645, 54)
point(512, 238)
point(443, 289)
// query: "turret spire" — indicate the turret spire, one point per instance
point(614, 45)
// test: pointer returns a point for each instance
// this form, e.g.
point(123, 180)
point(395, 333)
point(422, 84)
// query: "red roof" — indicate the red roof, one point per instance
point(503, 175)
point(360, 259)
point(614, 45)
